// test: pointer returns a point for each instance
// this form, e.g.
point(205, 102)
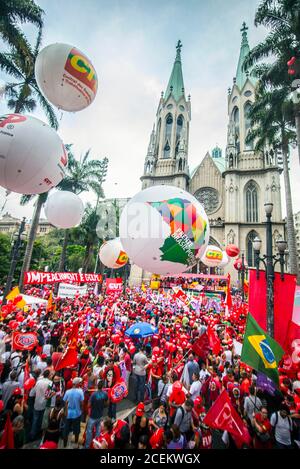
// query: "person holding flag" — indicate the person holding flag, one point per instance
point(260, 351)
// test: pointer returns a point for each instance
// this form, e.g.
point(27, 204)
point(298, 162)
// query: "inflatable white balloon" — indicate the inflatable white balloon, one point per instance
point(33, 158)
point(212, 256)
point(112, 254)
point(164, 230)
point(66, 77)
point(225, 260)
point(64, 209)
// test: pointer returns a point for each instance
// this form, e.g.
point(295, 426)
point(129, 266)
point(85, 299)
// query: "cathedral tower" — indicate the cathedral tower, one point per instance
point(166, 161)
point(251, 177)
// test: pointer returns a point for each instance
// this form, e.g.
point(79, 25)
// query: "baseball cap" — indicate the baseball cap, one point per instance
point(17, 392)
point(140, 409)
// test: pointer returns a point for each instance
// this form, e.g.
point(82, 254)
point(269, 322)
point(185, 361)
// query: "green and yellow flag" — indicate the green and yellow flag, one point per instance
point(260, 351)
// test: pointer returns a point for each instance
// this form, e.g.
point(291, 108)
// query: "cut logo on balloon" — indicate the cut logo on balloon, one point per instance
point(188, 230)
point(122, 259)
point(79, 67)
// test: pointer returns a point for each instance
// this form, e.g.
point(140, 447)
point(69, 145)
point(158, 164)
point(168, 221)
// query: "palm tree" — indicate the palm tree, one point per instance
point(23, 94)
point(13, 12)
point(282, 18)
point(88, 228)
point(81, 176)
point(272, 124)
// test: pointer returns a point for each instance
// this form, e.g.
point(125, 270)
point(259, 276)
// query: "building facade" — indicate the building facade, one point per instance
point(10, 225)
point(297, 230)
point(233, 189)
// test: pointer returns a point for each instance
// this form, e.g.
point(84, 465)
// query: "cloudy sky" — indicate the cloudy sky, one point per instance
point(131, 44)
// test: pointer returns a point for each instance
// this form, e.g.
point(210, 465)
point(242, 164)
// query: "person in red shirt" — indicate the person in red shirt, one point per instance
point(262, 429)
point(106, 438)
point(228, 378)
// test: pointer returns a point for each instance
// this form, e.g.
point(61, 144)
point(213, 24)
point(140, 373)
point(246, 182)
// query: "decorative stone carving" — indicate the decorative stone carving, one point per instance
point(230, 237)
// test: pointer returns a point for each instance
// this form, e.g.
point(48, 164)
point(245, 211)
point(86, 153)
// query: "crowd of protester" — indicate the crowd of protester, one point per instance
point(171, 386)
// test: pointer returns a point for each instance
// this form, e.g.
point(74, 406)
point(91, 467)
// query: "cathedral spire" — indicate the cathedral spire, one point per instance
point(241, 75)
point(176, 85)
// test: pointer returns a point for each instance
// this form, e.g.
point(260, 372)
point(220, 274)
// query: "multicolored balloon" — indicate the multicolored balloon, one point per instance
point(33, 157)
point(64, 209)
point(112, 254)
point(66, 77)
point(212, 256)
point(164, 230)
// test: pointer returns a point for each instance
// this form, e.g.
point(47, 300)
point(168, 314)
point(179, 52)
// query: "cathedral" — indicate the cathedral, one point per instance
point(233, 189)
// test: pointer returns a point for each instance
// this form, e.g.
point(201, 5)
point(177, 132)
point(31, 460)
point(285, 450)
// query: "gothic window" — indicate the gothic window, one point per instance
point(167, 149)
point(179, 127)
point(247, 107)
point(236, 120)
point(209, 198)
point(250, 251)
point(158, 136)
point(251, 203)
point(169, 122)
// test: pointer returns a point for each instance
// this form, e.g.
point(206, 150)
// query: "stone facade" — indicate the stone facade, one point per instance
point(233, 189)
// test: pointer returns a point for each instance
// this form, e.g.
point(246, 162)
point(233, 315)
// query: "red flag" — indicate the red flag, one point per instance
point(228, 296)
point(7, 439)
point(69, 358)
point(292, 345)
point(222, 415)
point(214, 341)
point(201, 346)
point(284, 294)
point(24, 340)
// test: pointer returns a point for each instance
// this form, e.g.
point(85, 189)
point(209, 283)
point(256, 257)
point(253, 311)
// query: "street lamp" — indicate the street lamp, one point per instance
point(243, 269)
point(269, 260)
point(17, 241)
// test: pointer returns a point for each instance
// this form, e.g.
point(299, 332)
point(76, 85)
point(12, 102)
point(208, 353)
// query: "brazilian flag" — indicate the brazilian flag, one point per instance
point(260, 351)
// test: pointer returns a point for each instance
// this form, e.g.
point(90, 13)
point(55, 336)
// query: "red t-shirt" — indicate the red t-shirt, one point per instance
point(108, 438)
point(265, 424)
point(127, 361)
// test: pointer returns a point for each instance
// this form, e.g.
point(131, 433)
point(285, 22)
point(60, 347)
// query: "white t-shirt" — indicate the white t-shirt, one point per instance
point(203, 375)
point(228, 355)
point(40, 393)
point(47, 349)
point(282, 428)
point(195, 389)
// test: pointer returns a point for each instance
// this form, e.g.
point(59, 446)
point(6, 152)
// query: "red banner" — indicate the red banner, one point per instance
point(24, 341)
point(284, 293)
point(223, 416)
point(43, 278)
point(201, 346)
point(114, 285)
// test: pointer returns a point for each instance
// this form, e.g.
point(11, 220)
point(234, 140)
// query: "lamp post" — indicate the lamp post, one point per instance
point(243, 276)
point(269, 260)
point(18, 238)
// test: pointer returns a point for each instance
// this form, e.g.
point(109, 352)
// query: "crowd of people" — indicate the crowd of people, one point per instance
point(171, 384)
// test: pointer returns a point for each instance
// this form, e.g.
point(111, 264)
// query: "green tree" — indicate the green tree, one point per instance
point(282, 19)
point(13, 12)
point(82, 175)
point(272, 124)
point(5, 253)
point(23, 93)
